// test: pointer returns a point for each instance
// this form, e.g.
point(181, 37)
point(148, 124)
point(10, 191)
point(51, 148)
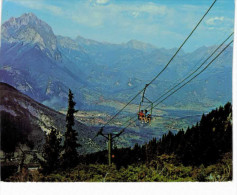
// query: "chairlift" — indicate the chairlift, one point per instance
point(142, 111)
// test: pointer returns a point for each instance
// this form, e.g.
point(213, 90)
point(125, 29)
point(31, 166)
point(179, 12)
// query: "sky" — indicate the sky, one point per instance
point(163, 23)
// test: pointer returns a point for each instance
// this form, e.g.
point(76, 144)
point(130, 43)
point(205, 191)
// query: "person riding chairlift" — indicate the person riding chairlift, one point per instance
point(147, 117)
point(141, 116)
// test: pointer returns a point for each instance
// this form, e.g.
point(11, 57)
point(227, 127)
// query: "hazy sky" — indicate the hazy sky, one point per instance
point(163, 23)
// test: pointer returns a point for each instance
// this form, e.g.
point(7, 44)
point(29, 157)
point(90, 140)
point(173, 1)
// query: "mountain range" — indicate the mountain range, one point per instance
point(43, 65)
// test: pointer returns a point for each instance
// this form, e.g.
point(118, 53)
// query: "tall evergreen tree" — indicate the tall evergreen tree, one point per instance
point(70, 155)
point(51, 152)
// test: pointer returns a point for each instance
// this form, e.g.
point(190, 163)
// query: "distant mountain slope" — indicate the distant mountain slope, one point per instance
point(42, 65)
point(31, 60)
point(41, 117)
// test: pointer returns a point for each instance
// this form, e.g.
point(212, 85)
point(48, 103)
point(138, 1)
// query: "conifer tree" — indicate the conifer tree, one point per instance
point(51, 152)
point(70, 155)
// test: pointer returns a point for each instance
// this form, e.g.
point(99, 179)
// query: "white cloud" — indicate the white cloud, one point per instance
point(102, 1)
point(214, 20)
point(114, 13)
point(90, 13)
point(221, 23)
point(98, 2)
point(39, 5)
point(123, 20)
point(135, 14)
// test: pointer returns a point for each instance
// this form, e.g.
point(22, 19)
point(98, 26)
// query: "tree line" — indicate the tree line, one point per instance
point(203, 143)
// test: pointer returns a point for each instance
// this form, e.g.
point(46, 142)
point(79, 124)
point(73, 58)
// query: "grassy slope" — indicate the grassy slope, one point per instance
point(161, 170)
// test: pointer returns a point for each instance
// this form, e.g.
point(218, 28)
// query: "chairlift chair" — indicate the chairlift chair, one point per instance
point(145, 101)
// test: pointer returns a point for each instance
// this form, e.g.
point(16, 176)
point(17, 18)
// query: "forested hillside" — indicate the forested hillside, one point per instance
point(200, 153)
point(203, 143)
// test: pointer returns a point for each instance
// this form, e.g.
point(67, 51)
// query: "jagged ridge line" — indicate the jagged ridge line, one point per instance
point(164, 67)
point(185, 83)
point(183, 43)
point(190, 74)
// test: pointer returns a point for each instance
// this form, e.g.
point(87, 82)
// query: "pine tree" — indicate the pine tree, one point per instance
point(70, 155)
point(51, 152)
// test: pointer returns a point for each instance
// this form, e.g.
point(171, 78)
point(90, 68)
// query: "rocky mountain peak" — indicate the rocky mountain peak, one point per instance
point(140, 45)
point(28, 29)
point(83, 41)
